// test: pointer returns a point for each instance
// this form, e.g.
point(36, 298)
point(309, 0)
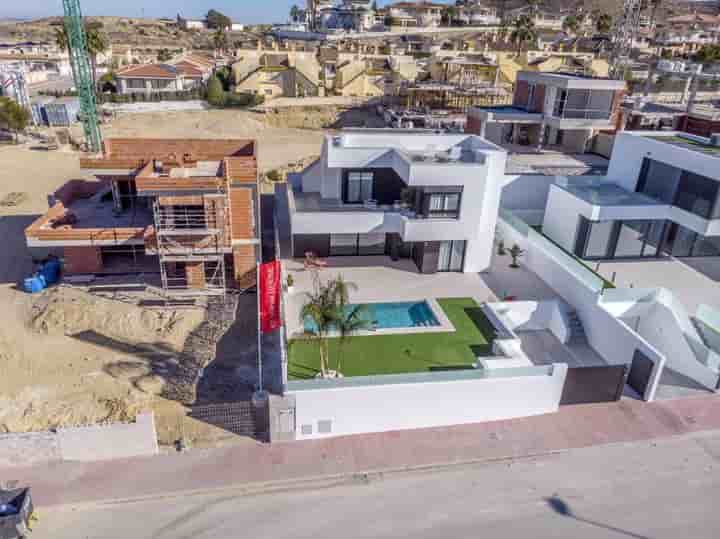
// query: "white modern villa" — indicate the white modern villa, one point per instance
point(660, 198)
point(413, 195)
point(461, 331)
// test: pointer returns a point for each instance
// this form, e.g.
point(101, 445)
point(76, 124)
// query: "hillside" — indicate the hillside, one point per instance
point(121, 30)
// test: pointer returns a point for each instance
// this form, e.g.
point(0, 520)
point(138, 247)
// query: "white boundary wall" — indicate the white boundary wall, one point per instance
point(614, 340)
point(379, 408)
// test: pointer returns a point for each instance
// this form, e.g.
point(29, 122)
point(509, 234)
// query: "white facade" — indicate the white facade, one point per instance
point(421, 402)
point(429, 163)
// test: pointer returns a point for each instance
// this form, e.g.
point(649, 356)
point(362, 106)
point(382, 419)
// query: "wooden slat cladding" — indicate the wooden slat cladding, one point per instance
point(242, 213)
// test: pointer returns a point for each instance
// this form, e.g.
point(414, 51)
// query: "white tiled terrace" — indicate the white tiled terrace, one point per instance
point(380, 279)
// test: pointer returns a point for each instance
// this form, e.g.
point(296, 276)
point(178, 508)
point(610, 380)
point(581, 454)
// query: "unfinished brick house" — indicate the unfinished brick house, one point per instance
point(181, 214)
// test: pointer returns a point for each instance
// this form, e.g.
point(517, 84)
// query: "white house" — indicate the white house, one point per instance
point(428, 197)
point(554, 109)
point(661, 197)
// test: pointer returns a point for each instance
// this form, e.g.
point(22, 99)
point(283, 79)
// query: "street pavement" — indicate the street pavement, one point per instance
point(251, 462)
point(652, 489)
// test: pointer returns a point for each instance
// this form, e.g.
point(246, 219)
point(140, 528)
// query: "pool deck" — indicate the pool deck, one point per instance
point(444, 323)
point(380, 279)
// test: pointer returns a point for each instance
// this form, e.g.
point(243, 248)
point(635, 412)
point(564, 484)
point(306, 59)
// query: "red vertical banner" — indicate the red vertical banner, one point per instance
point(270, 296)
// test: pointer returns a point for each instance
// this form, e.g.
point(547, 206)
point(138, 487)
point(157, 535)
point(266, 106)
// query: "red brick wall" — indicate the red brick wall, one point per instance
point(699, 126)
point(538, 101)
point(522, 92)
point(82, 260)
point(473, 124)
point(195, 274)
point(244, 265)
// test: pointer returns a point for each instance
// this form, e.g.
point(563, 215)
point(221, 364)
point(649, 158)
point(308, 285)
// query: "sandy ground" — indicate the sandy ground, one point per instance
point(277, 145)
point(51, 376)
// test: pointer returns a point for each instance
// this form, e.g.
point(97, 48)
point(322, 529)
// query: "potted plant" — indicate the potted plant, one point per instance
point(515, 252)
point(290, 284)
point(501, 248)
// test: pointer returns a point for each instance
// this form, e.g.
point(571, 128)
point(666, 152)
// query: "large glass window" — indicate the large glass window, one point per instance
point(444, 205)
point(631, 239)
point(697, 194)
point(658, 180)
point(599, 237)
point(343, 244)
point(451, 256)
point(692, 192)
point(371, 244)
point(357, 244)
point(360, 187)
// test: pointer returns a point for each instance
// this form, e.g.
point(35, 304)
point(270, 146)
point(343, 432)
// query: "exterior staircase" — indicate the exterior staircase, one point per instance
point(577, 331)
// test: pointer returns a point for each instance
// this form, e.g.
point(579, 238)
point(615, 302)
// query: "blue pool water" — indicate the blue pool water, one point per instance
point(410, 314)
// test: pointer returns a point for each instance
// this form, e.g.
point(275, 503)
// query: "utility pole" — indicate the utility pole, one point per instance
point(82, 74)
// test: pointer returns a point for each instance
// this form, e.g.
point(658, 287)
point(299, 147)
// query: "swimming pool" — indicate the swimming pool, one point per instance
point(396, 315)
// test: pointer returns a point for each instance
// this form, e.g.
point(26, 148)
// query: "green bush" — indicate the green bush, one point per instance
point(215, 93)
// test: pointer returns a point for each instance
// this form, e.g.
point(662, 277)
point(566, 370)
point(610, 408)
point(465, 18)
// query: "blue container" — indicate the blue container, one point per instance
point(51, 271)
point(32, 285)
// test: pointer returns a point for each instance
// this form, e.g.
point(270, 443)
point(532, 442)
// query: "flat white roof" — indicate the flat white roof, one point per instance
point(570, 81)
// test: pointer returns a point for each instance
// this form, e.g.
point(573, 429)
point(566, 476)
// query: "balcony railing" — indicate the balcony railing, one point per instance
point(581, 114)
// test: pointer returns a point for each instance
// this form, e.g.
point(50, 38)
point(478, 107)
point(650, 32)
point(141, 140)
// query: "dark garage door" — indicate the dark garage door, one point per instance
point(594, 384)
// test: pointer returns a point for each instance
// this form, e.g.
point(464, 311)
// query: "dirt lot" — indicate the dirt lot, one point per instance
point(69, 358)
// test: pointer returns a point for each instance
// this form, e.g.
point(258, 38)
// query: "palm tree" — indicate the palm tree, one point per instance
point(326, 309)
point(523, 32)
point(220, 40)
point(294, 13)
point(571, 24)
point(349, 324)
point(96, 42)
point(603, 23)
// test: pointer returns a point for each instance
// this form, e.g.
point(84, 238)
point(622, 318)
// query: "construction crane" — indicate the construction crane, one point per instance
point(82, 74)
point(623, 38)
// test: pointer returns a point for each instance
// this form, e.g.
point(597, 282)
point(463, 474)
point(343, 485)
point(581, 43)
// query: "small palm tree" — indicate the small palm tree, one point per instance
point(326, 308)
point(571, 24)
point(523, 31)
point(603, 23)
point(220, 40)
point(348, 325)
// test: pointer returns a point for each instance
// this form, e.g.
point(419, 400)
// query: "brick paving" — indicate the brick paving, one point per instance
point(572, 427)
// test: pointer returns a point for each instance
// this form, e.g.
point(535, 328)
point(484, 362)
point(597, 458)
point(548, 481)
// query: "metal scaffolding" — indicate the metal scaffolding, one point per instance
point(190, 236)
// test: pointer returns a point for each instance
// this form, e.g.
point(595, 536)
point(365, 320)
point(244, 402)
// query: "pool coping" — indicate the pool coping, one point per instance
point(445, 325)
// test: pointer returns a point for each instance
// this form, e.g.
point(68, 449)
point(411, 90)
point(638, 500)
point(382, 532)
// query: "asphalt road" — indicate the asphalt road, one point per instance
point(661, 489)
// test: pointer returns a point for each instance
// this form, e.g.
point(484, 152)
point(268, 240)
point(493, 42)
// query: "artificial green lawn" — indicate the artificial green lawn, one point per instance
point(395, 354)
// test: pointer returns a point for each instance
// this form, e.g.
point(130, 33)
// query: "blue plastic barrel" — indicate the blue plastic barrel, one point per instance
point(34, 284)
point(51, 271)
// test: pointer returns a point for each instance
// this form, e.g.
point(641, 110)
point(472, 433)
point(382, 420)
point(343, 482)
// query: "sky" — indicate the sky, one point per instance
point(243, 11)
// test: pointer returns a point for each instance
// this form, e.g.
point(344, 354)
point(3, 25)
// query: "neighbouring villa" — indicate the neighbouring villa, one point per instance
point(426, 226)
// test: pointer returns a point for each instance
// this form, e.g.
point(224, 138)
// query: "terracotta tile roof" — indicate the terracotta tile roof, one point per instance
point(150, 71)
point(199, 60)
point(188, 70)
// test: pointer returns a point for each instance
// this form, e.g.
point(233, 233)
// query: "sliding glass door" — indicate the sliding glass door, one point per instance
point(451, 255)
